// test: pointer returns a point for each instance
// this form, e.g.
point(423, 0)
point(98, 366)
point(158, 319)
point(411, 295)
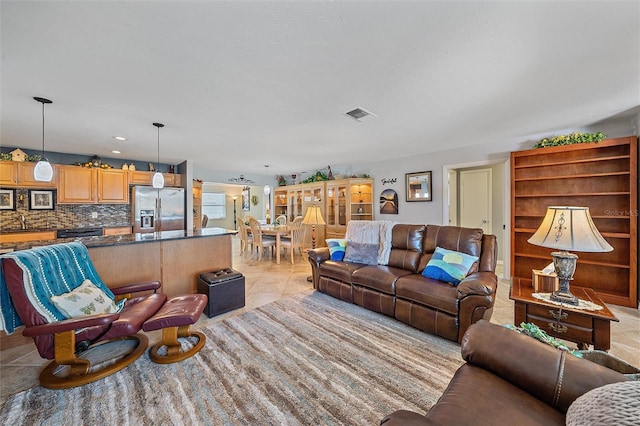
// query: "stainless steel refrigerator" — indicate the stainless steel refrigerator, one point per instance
point(157, 210)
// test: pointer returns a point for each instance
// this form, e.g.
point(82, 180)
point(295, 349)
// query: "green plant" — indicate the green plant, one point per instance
point(570, 139)
point(534, 331)
point(6, 156)
point(32, 158)
point(317, 177)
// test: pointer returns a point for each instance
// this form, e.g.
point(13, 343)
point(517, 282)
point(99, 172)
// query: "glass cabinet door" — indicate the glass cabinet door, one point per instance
point(336, 204)
point(295, 204)
point(280, 205)
point(361, 201)
point(332, 208)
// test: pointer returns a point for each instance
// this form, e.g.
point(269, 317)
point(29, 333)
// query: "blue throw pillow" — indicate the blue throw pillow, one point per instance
point(337, 248)
point(449, 266)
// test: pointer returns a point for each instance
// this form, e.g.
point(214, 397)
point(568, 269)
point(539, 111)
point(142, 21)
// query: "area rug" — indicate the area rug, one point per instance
point(308, 359)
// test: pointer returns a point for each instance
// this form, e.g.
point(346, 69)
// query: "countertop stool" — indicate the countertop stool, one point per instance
point(175, 319)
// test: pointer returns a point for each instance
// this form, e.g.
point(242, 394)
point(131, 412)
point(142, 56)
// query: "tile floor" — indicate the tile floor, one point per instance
point(267, 282)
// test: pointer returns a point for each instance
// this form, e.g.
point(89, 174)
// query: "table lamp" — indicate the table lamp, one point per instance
point(568, 228)
point(313, 217)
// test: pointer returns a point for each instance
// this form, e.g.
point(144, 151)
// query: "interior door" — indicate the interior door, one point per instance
point(475, 199)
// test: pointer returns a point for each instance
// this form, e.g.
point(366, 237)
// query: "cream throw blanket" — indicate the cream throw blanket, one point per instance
point(372, 232)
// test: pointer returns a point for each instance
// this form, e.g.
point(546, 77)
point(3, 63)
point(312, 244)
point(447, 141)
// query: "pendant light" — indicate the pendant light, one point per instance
point(43, 171)
point(158, 179)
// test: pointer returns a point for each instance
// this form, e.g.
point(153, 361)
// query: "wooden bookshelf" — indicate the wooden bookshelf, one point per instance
point(603, 177)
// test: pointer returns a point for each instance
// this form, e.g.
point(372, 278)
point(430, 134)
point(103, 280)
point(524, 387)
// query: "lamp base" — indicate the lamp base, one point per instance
point(564, 297)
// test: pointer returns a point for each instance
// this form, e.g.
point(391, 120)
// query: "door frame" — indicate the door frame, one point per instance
point(506, 191)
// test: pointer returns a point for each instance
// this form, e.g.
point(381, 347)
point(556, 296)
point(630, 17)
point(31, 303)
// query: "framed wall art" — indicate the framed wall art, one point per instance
point(7, 199)
point(389, 202)
point(418, 186)
point(41, 200)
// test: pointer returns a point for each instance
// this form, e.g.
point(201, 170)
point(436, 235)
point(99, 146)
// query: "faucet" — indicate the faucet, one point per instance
point(23, 222)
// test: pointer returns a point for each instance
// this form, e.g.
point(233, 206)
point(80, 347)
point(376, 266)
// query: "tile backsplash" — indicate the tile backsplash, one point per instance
point(64, 215)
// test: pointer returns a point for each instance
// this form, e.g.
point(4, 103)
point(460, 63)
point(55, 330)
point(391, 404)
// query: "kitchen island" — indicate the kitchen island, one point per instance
point(175, 258)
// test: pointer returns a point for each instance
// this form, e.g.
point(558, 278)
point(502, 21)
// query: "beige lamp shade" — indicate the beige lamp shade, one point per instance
point(313, 216)
point(569, 229)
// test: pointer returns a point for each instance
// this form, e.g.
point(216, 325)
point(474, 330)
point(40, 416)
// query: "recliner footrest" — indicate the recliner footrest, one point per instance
point(175, 319)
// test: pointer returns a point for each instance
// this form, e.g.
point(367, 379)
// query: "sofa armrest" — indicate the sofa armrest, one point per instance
point(315, 258)
point(319, 255)
point(478, 283)
point(549, 374)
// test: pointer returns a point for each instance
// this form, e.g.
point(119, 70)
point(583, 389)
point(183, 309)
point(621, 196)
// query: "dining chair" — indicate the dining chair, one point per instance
point(205, 220)
point(260, 241)
point(246, 238)
point(281, 220)
point(295, 239)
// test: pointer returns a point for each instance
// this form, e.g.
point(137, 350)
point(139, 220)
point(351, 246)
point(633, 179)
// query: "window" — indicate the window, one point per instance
point(214, 205)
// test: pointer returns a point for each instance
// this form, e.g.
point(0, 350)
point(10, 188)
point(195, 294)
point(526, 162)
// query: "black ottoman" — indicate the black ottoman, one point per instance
point(225, 290)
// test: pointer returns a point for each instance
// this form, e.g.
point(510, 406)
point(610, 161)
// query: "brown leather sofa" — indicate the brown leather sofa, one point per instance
point(509, 379)
point(399, 290)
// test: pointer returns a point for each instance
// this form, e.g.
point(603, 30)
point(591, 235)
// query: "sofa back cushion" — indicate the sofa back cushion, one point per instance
point(456, 238)
point(406, 246)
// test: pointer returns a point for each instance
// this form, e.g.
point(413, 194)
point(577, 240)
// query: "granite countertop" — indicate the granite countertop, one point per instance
point(114, 240)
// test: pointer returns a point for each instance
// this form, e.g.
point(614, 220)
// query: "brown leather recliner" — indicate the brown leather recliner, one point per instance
point(399, 289)
point(509, 379)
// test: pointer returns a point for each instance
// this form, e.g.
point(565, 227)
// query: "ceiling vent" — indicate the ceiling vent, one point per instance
point(359, 113)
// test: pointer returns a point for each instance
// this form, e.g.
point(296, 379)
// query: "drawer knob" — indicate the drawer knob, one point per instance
point(558, 315)
point(558, 328)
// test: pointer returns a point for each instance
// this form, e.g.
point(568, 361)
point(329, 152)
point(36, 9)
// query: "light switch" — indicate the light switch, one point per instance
point(94, 215)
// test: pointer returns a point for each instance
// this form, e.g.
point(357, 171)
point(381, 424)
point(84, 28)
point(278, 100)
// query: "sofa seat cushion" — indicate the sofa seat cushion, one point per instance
point(473, 391)
point(340, 271)
point(381, 278)
point(426, 291)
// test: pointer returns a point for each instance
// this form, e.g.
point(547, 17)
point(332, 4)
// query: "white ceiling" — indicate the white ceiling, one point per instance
point(241, 84)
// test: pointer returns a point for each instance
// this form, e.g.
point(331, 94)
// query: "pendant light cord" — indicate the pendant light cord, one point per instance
point(158, 164)
point(43, 130)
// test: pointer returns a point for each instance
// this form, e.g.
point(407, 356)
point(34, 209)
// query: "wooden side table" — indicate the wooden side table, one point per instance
point(581, 326)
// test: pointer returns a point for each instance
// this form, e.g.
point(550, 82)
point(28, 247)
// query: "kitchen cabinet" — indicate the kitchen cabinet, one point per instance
point(80, 185)
point(140, 177)
point(113, 186)
point(25, 236)
point(603, 177)
point(116, 230)
point(20, 173)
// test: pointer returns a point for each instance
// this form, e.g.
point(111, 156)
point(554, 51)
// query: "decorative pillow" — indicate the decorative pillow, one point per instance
point(84, 300)
point(337, 248)
point(449, 266)
point(361, 253)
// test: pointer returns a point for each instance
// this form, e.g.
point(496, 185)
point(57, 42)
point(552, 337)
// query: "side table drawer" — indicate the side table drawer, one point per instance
point(562, 330)
point(555, 314)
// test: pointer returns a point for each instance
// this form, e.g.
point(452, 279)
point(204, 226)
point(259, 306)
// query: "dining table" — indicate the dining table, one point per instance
point(276, 231)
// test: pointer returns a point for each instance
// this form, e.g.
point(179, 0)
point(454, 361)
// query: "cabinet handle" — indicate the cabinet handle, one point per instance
point(558, 328)
point(558, 315)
